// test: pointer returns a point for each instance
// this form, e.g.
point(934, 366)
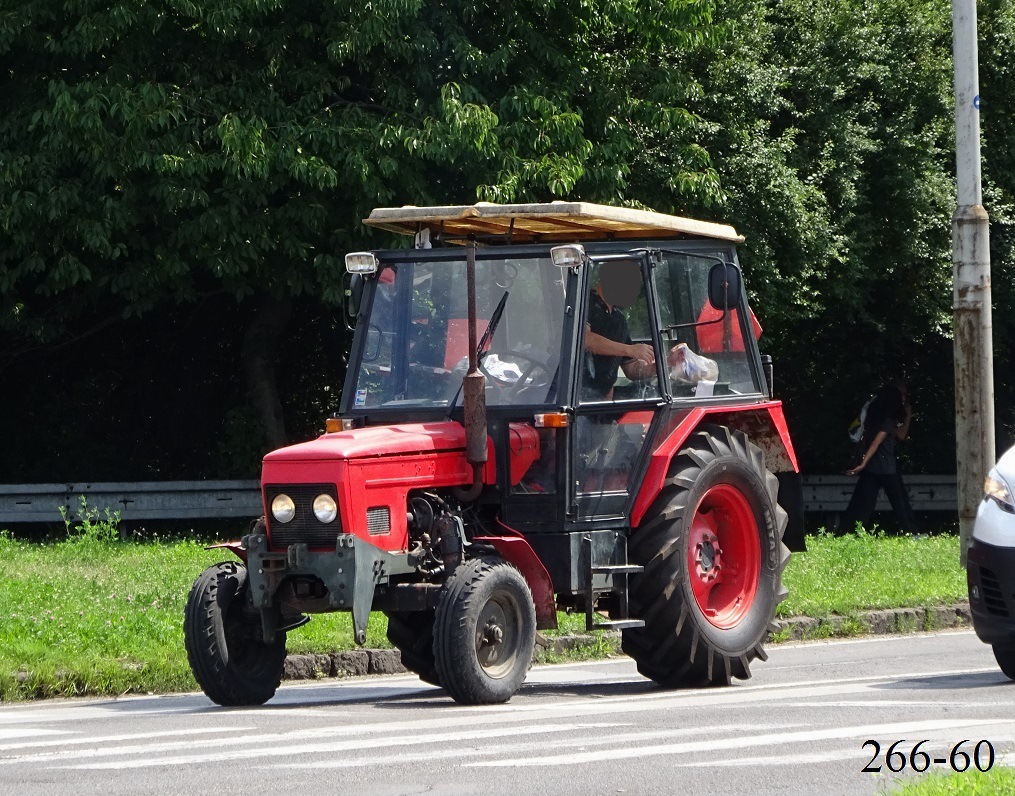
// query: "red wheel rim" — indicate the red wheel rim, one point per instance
point(724, 556)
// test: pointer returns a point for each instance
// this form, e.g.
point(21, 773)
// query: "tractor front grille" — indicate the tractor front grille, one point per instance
point(304, 528)
point(378, 520)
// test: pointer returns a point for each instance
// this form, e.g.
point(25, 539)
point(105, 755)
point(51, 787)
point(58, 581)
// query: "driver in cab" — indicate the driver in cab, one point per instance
point(607, 337)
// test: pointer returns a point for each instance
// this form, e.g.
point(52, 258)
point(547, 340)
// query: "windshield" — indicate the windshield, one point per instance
point(415, 338)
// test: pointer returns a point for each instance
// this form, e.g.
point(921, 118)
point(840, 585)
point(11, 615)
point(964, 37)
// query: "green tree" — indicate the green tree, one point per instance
point(829, 124)
point(166, 153)
point(997, 83)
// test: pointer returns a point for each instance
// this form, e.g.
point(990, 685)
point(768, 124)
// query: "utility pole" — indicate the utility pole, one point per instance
point(973, 345)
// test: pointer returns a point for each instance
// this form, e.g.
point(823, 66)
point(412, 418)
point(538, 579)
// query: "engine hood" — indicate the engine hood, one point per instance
point(360, 443)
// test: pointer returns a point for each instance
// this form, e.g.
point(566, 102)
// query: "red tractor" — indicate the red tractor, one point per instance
point(547, 407)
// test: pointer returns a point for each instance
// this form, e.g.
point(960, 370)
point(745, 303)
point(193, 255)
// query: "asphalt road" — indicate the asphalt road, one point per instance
point(802, 725)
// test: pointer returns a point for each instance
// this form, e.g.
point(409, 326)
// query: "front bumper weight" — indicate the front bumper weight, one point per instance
point(350, 573)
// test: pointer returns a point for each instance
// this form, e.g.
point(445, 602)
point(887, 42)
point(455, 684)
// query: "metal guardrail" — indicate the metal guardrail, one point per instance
point(184, 500)
point(831, 493)
point(147, 500)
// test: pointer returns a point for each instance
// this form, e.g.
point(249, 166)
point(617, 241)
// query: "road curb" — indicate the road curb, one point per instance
point(890, 621)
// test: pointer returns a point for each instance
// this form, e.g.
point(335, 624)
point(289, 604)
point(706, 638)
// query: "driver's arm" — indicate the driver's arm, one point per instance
point(640, 359)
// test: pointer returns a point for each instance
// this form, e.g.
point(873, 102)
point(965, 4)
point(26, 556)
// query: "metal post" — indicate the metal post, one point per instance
point(974, 369)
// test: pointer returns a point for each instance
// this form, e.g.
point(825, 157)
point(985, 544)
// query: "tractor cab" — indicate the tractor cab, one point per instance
point(547, 407)
point(589, 320)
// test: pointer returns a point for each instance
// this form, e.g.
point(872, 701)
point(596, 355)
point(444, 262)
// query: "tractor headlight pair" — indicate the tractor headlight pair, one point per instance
point(283, 508)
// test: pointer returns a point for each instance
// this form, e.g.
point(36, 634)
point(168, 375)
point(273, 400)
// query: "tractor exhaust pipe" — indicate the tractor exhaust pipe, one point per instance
point(474, 389)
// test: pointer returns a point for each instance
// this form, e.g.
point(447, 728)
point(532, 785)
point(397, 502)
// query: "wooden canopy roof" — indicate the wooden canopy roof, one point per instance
point(553, 222)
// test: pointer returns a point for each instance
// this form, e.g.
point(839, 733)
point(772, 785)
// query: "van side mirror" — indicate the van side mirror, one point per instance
point(353, 295)
point(724, 286)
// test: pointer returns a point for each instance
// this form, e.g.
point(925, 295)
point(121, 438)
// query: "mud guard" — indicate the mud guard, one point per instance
point(764, 423)
point(516, 550)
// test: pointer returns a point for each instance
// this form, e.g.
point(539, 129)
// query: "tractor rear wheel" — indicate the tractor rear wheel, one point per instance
point(711, 545)
point(230, 661)
point(484, 632)
point(411, 632)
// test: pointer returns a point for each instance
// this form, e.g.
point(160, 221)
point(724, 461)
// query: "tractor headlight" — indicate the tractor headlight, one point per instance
point(282, 508)
point(325, 508)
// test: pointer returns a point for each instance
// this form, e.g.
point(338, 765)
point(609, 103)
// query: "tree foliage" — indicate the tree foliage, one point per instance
point(156, 154)
point(175, 174)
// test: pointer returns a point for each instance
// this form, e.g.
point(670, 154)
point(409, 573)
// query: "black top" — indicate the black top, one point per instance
point(886, 413)
point(883, 460)
point(601, 369)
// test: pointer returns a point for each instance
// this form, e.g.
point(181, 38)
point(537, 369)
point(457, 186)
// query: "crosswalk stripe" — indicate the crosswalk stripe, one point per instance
point(112, 738)
point(712, 746)
point(30, 732)
point(442, 754)
point(332, 747)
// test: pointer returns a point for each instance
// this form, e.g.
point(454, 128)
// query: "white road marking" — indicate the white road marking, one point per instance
point(472, 751)
point(30, 732)
point(464, 717)
point(340, 746)
point(112, 738)
point(712, 746)
point(866, 703)
point(769, 761)
point(483, 716)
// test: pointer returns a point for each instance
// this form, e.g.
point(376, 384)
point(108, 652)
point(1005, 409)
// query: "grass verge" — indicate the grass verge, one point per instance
point(93, 615)
point(999, 781)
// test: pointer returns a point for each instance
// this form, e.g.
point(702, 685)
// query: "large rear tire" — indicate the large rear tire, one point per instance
point(411, 632)
point(712, 549)
point(230, 661)
point(484, 632)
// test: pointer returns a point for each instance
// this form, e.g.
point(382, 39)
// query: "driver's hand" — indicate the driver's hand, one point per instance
point(642, 352)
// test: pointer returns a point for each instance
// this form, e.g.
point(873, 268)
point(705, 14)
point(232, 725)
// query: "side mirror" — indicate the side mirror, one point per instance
point(353, 295)
point(724, 286)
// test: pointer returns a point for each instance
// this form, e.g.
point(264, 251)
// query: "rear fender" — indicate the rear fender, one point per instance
point(763, 423)
point(515, 549)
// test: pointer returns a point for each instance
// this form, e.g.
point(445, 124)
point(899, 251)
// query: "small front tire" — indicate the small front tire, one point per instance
point(222, 634)
point(484, 633)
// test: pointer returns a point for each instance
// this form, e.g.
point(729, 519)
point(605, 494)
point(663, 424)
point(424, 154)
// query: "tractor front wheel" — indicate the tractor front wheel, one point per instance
point(711, 545)
point(484, 632)
point(222, 634)
point(411, 632)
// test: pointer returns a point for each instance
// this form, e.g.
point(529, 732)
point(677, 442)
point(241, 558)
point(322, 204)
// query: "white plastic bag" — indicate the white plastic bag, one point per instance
point(686, 367)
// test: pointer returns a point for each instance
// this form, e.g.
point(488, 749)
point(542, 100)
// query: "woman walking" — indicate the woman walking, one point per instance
point(887, 421)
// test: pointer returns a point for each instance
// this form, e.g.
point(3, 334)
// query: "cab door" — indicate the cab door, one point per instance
point(618, 373)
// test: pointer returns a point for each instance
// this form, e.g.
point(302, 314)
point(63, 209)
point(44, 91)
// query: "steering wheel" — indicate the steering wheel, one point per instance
point(532, 366)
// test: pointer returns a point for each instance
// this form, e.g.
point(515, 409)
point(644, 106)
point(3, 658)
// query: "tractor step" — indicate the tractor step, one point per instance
point(618, 624)
point(618, 569)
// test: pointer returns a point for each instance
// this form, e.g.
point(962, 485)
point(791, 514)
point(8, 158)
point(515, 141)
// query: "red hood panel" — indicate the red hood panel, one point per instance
point(376, 441)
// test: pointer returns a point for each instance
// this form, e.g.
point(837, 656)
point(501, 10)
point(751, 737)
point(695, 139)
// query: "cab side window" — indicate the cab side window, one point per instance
point(707, 354)
point(619, 359)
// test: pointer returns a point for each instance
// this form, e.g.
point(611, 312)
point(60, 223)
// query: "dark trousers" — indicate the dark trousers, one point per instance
point(865, 497)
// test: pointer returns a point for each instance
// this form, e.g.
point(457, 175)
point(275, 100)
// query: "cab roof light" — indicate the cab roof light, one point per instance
point(361, 263)
point(571, 255)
